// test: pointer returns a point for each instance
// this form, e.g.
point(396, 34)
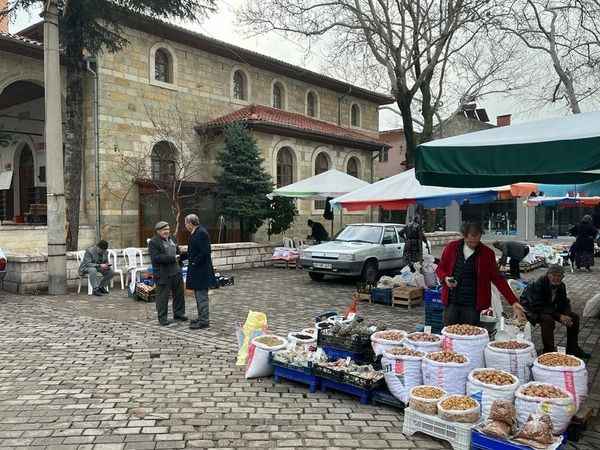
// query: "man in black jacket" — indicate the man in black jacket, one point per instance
point(546, 303)
point(200, 274)
point(317, 232)
point(164, 255)
point(516, 252)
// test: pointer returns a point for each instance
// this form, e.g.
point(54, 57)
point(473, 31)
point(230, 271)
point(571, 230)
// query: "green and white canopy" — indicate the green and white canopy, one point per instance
point(558, 151)
point(332, 183)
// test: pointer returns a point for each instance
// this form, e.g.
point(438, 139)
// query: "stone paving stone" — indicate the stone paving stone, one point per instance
point(77, 371)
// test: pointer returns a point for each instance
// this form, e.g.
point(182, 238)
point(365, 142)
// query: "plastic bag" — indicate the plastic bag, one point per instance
point(507, 331)
point(419, 280)
point(451, 377)
point(537, 430)
point(560, 409)
point(472, 346)
point(258, 356)
point(515, 361)
point(503, 411)
point(402, 373)
point(573, 380)
point(497, 429)
point(486, 393)
point(592, 307)
point(255, 325)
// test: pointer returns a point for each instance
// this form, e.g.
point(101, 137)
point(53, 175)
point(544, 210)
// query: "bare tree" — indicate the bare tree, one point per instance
point(172, 167)
point(563, 34)
point(411, 40)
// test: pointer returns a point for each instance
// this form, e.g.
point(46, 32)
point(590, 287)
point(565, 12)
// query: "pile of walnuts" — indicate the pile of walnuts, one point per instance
point(544, 391)
point(458, 403)
point(493, 376)
point(464, 330)
point(447, 357)
point(431, 392)
point(510, 345)
point(558, 359)
point(423, 337)
point(403, 351)
point(390, 335)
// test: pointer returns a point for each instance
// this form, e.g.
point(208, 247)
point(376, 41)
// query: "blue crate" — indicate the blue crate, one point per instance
point(300, 375)
point(364, 395)
point(382, 296)
point(480, 441)
point(334, 354)
point(432, 296)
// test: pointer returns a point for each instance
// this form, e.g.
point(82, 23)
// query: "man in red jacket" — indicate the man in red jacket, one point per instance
point(467, 269)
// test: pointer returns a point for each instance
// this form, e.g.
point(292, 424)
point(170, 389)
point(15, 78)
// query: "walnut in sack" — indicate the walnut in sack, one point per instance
point(537, 430)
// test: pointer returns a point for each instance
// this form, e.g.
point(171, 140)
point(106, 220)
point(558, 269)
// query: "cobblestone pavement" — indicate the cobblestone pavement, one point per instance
point(78, 372)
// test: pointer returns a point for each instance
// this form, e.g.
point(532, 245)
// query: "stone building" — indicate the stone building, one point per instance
point(151, 97)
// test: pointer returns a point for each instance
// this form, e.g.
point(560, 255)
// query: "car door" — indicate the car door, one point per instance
point(392, 256)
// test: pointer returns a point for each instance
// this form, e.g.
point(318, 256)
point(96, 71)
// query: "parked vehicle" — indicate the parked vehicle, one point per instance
point(359, 250)
point(3, 264)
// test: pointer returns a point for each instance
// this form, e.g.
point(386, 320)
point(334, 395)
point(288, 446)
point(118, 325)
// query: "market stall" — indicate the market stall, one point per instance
point(560, 150)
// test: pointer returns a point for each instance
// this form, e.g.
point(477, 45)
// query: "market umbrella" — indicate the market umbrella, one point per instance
point(402, 190)
point(332, 183)
point(564, 201)
point(560, 150)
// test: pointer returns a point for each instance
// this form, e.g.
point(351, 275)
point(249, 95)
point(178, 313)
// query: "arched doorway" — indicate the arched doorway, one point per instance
point(26, 180)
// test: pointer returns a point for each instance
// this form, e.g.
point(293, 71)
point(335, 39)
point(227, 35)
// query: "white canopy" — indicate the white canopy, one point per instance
point(332, 183)
point(402, 190)
point(5, 180)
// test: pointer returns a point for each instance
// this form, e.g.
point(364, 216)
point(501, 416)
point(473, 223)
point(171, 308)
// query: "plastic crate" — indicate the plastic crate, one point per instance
point(457, 434)
point(480, 441)
point(433, 296)
point(300, 374)
point(357, 344)
point(364, 395)
point(382, 296)
point(328, 373)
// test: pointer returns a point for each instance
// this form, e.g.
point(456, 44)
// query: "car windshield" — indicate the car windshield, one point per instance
point(360, 233)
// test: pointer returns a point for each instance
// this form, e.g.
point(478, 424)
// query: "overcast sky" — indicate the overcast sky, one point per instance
point(222, 26)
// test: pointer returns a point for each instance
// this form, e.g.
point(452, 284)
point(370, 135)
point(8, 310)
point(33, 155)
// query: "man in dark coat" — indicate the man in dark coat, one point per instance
point(317, 232)
point(516, 252)
point(200, 274)
point(546, 303)
point(166, 266)
point(95, 265)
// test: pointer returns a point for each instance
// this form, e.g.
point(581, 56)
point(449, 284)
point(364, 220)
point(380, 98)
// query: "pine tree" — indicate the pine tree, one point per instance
point(283, 211)
point(243, 184)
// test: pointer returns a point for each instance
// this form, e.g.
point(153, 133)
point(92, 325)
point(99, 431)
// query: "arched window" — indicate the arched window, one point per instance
point(352, 167)
point(321, 165)
point(162, 66)
point(285, 167)
point(163, 160)
point(278, 95)
point(240, 85)
point(355, 115)
point(311, 104)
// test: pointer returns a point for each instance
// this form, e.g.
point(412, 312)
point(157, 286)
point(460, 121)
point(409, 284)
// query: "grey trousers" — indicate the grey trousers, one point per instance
point(171, 285)
point(202, 303)
point(99, 279)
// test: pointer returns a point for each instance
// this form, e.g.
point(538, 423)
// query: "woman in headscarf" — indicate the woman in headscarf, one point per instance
point(414, 236)
point(582, 251)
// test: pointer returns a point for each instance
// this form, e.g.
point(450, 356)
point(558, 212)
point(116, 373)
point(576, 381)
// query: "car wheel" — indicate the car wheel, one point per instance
point(315, 276)
point(370, 272)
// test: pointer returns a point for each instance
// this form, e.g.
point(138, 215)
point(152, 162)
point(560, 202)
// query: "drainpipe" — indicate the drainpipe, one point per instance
point(373, 158)
point(89, 63)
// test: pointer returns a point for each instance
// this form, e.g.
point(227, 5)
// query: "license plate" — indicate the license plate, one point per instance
point(322, 266)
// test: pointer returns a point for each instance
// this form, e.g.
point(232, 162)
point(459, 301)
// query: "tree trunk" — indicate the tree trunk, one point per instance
point(427, 111)
point(407, 123)
point(73, 147)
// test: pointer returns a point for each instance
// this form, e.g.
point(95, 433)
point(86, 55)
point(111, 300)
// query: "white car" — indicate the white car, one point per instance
point(3, 264)
point(358, 250)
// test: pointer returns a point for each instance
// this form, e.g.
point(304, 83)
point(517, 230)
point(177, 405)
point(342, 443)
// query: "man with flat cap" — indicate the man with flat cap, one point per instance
point(164, 255)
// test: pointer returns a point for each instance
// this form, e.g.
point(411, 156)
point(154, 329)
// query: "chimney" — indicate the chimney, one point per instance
point(3, 19)
point(504, 120)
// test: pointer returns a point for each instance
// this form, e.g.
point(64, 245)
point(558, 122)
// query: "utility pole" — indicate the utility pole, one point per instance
point(57, 258)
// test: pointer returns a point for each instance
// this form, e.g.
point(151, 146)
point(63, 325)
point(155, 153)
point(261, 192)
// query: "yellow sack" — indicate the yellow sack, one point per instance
point(256, 325)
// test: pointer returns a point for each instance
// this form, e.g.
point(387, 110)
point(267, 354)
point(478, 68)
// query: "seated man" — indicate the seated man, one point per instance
point(546, 303)
point(95, 265)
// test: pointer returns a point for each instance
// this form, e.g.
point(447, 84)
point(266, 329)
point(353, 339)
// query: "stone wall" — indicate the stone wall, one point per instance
point(28, 239)
point(28, 274)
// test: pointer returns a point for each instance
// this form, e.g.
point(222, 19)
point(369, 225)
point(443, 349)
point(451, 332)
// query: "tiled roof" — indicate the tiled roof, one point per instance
point(276, 118)
point(20, 39)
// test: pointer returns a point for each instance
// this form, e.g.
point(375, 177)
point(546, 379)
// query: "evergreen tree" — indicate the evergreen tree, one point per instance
point(243, 184)
point(283, 211)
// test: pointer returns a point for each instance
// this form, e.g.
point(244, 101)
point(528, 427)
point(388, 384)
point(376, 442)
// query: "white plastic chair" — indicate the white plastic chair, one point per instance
point(288, 243)
point(300, 244)
point(80, 254)
point(134, 263)
point(113, 259)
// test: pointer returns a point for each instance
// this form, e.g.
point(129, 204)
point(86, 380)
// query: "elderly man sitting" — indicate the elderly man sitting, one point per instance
point(546, 302)
point(95, 265)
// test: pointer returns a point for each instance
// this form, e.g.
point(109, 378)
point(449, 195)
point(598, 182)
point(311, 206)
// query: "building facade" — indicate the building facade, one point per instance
point(151, 98)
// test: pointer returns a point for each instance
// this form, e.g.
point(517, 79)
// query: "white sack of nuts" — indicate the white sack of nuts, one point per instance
point(565, 371)
point(424, 399)
point(382, 340)
point(424, 342)
point(535, 397)
point(402, 370)
point(487, 385)
point(512, 356)
point(448, 370)
point(468, 340)
point(459, 408)
point(258, 355)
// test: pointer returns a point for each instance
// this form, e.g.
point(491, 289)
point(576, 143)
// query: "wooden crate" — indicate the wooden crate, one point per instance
point(408, 296)
point(280, 263)
point(363, 296)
